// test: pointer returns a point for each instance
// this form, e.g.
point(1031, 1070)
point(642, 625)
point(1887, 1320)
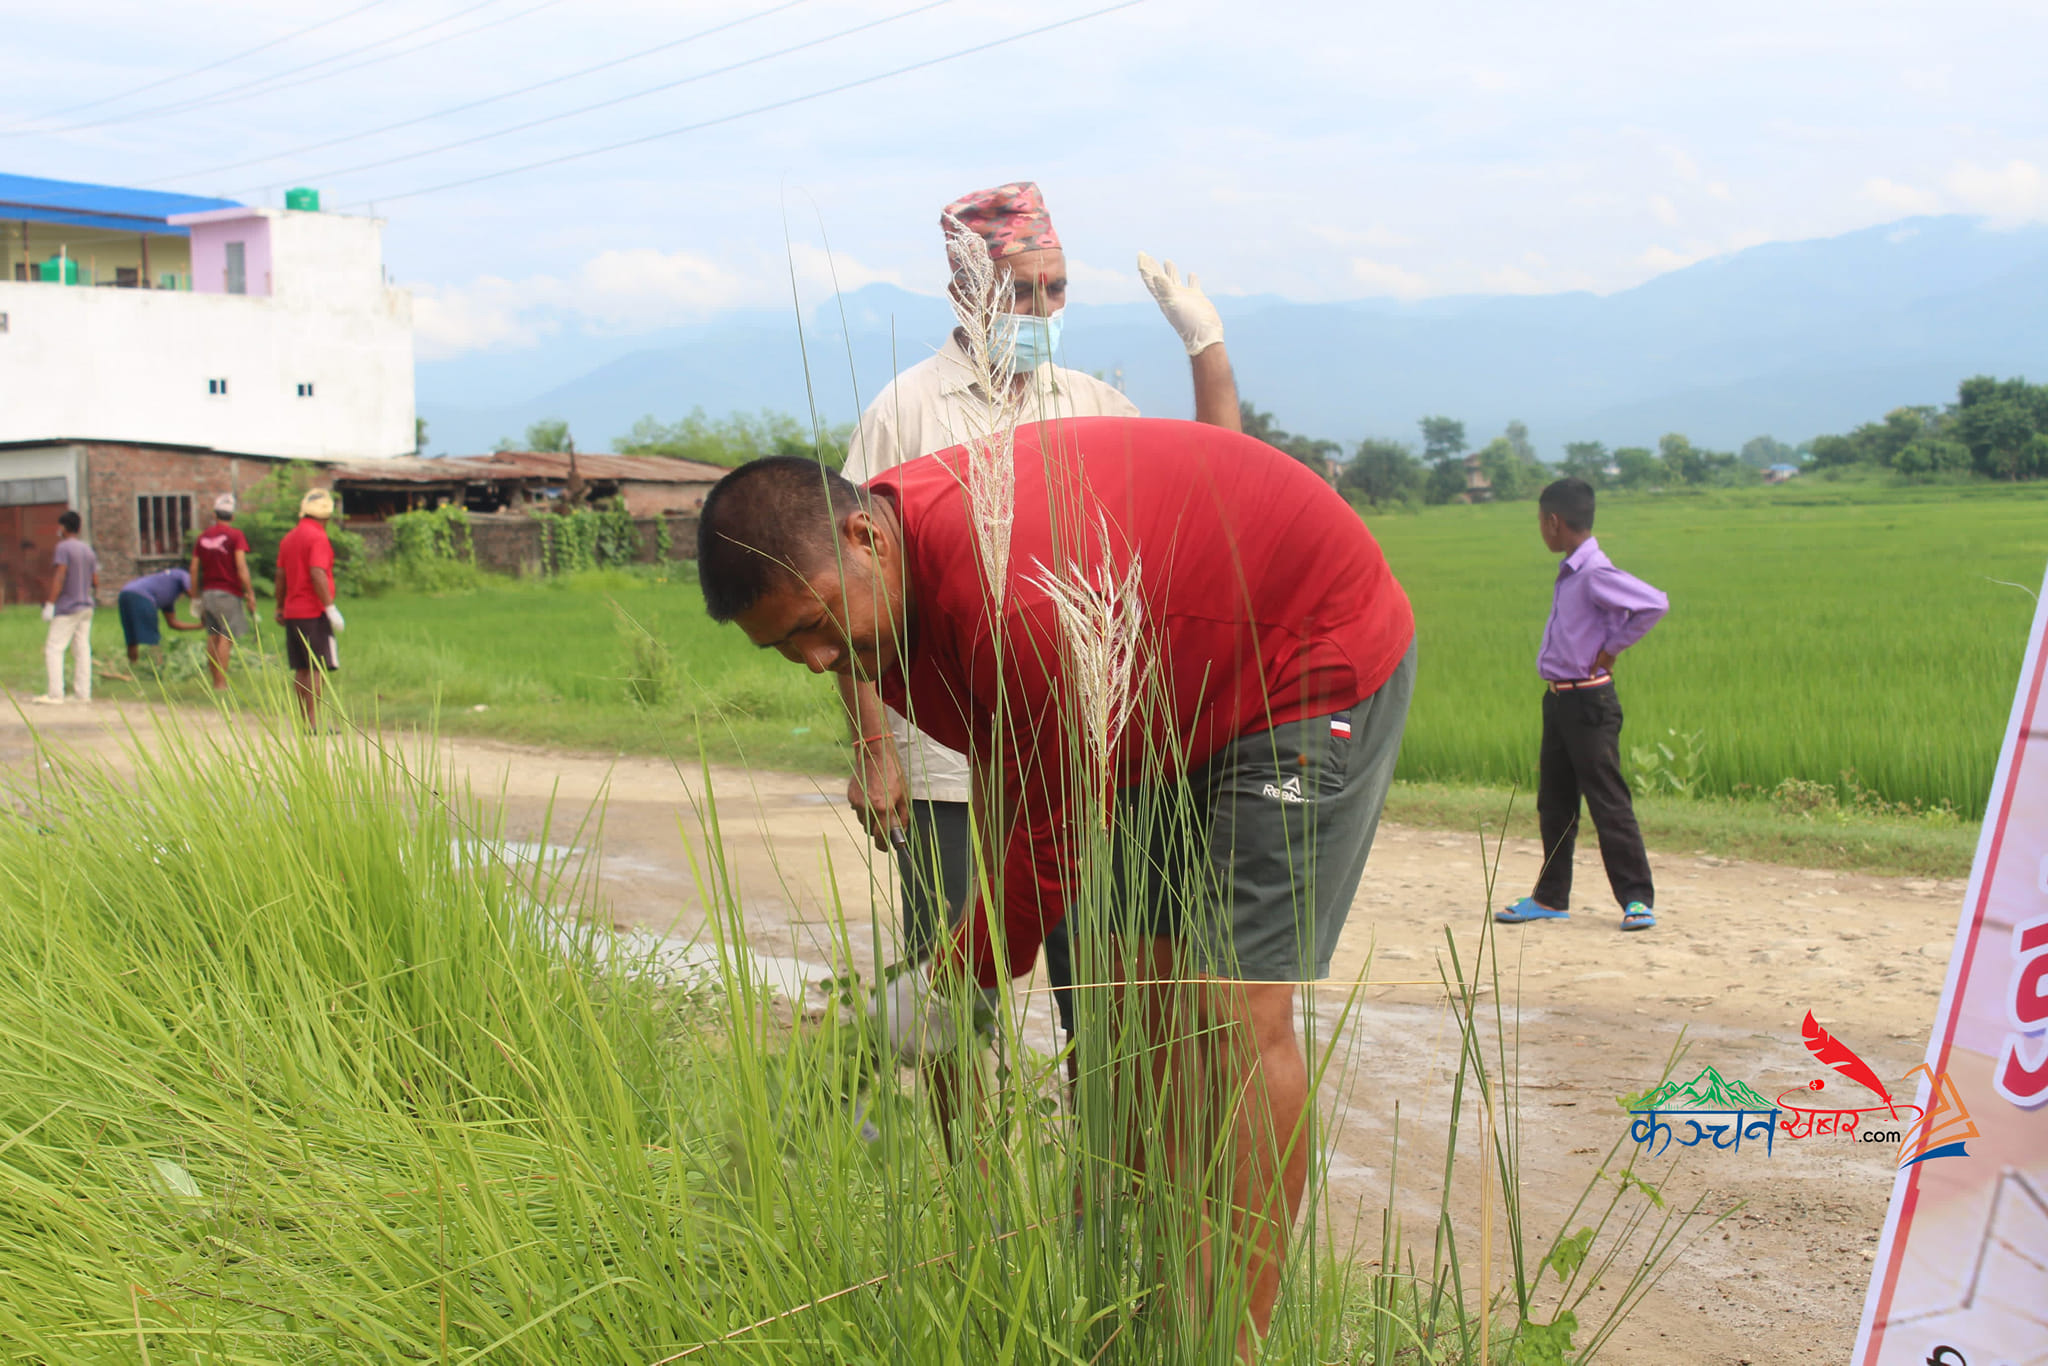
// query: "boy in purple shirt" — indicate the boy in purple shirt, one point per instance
point(1596, 612)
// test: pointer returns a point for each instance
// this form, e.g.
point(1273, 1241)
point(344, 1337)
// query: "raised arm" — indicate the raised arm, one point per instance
point(1200, 328)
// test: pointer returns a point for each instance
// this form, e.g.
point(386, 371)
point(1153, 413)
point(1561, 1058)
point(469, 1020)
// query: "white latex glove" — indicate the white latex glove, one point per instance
point(333, 615)
point(1184, 304)
point(919, 1021)
point(49, 611)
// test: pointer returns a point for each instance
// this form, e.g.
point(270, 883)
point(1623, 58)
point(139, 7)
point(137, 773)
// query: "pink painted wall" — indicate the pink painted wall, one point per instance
point(210, 254)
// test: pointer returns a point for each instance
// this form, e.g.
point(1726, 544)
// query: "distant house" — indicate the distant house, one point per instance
point(1778, 474)
point(1478, 488)
point(518, 481)
point(161, 349)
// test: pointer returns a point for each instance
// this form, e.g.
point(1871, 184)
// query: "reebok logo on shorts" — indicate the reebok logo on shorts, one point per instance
point(1288, 790)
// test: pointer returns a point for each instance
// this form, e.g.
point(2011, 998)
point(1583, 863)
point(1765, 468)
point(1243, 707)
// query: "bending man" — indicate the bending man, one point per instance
point(1272, 664)
point(903, 779)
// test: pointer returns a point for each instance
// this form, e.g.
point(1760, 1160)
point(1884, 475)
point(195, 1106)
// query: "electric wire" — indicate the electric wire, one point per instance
point(198, 70)
point(487, 99)
point(278, 80)
point(757, 109)
point(727, 69)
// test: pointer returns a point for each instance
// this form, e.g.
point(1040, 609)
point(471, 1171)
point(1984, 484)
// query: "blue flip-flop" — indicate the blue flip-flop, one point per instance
point(1528, 909)
point(1637, 916)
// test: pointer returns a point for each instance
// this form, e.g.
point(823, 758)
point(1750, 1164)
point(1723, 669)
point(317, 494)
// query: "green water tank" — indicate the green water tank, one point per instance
point(60, 270)
point(302, 199)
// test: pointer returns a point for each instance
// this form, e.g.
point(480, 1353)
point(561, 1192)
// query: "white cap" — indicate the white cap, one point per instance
point(225, 505)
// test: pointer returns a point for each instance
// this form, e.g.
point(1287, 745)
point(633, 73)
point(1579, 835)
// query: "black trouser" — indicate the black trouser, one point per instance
point(937, 869)
point(1582, 758)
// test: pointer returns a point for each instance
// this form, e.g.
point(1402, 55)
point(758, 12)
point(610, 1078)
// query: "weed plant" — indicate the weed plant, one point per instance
point(294, 1067)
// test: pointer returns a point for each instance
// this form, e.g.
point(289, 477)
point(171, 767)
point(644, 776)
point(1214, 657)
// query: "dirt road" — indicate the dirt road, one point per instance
point(1742, 952)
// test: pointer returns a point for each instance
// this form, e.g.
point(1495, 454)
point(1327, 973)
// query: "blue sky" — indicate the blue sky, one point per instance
point(1313, 150)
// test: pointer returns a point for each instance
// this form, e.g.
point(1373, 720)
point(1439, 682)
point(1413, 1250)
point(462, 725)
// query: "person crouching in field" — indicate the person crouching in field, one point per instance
point(1277, 658)
point(1596, 612)
point(143, 599)
point(220, 567)
point(305, 601)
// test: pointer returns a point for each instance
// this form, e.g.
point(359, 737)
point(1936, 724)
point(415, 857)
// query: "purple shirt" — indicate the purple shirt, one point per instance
point(80, 564)
point(163, 588)
point(1595, 607)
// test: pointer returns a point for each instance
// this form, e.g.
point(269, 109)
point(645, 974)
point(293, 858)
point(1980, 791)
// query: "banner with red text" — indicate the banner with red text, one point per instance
point(1961, 1277)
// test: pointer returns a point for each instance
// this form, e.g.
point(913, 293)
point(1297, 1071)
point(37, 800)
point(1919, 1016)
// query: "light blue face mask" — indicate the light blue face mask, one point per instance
point(1035, 339)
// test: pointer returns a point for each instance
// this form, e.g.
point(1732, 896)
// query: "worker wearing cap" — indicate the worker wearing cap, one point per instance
point(904, 780)
point(305, 600)
point(220, 570)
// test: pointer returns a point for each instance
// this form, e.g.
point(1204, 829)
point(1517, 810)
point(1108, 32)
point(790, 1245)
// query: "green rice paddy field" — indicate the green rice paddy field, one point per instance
point(1812, 631)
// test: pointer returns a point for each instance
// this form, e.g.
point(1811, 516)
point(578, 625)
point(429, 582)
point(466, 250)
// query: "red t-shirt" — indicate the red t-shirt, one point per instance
point(217, 547)
point(304, 548)
point(1265, 600)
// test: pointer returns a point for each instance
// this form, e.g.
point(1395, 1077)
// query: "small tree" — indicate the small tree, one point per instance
point(1637, 467)
point(1587, 460)
point(1442, 436)
point(1446, 480)
point(1384, 472)
point(548, 434)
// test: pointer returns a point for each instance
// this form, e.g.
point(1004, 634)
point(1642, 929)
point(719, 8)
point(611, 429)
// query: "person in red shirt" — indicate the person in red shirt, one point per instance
point(305, 600)
point(1268, 659)
point(221, 582)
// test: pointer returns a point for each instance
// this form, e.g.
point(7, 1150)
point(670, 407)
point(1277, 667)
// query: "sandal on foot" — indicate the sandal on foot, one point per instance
point(1527, 909)
point(1638, 917)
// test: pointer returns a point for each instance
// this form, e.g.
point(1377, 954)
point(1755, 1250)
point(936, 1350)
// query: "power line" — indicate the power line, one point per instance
point(634, 95)
point(275, 80)
point(488, 99)
point(758, 109)
point(202, 70)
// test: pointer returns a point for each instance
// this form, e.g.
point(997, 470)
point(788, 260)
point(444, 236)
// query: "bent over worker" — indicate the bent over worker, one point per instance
point(904, 780)
point(1277, 660)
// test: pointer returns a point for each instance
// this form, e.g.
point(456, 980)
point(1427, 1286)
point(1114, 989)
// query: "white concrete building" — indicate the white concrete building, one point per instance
point(131, 316)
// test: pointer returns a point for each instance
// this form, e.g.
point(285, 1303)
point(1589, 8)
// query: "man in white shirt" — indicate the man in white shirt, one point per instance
point(903, 780)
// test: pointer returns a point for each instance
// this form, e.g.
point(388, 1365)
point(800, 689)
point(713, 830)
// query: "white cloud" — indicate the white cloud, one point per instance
point(1928, 80)
point(1512, 280)
point(1105, 285)
point(1665, 258)
point(2016, 193)
point(816, 267)
point(1903, 198)
point(1719, 189)
point(489, 314)
point(1383, 279)
point(642, 287)
point(1665, 211)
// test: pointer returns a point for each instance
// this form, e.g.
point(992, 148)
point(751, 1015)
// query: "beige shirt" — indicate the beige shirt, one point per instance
point(929, 408)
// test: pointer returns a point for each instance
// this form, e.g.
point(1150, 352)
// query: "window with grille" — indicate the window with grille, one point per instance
point(162, 521)
point(305, 391)
point(22, 492)
point(217, 386)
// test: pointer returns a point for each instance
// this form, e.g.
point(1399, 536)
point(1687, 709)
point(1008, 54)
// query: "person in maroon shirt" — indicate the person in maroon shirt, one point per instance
point(1271, 661)
point(223, 586)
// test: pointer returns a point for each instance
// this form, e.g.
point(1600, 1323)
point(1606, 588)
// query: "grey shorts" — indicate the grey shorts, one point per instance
point(1252, 860)
point(221, 614)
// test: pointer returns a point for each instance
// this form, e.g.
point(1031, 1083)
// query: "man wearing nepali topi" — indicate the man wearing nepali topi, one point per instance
point(905, 781)
point(1179, 668)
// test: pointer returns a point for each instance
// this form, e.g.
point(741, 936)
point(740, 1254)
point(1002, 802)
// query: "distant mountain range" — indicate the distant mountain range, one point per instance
point(1792, 339)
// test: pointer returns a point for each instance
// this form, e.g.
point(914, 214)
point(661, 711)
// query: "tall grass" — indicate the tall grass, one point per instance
point(1809, 633)
point(294, 1068)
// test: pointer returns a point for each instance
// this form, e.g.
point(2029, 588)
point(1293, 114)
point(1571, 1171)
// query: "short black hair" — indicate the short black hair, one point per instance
point(70, 521)
point(770, 519)
point(1572, 501)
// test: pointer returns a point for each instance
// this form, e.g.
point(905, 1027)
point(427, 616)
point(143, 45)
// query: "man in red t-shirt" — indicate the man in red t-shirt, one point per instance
point(1233, 611)
point(305, 600)
point(221, 583)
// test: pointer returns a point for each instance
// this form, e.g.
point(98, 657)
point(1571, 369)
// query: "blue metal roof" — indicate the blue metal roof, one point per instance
point(35, 200)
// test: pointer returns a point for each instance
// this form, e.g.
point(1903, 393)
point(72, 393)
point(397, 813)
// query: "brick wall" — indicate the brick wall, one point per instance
point(117, 475)
point(512, 544)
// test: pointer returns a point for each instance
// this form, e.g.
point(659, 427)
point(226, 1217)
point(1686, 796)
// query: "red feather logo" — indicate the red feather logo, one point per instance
point(1831, 1051)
